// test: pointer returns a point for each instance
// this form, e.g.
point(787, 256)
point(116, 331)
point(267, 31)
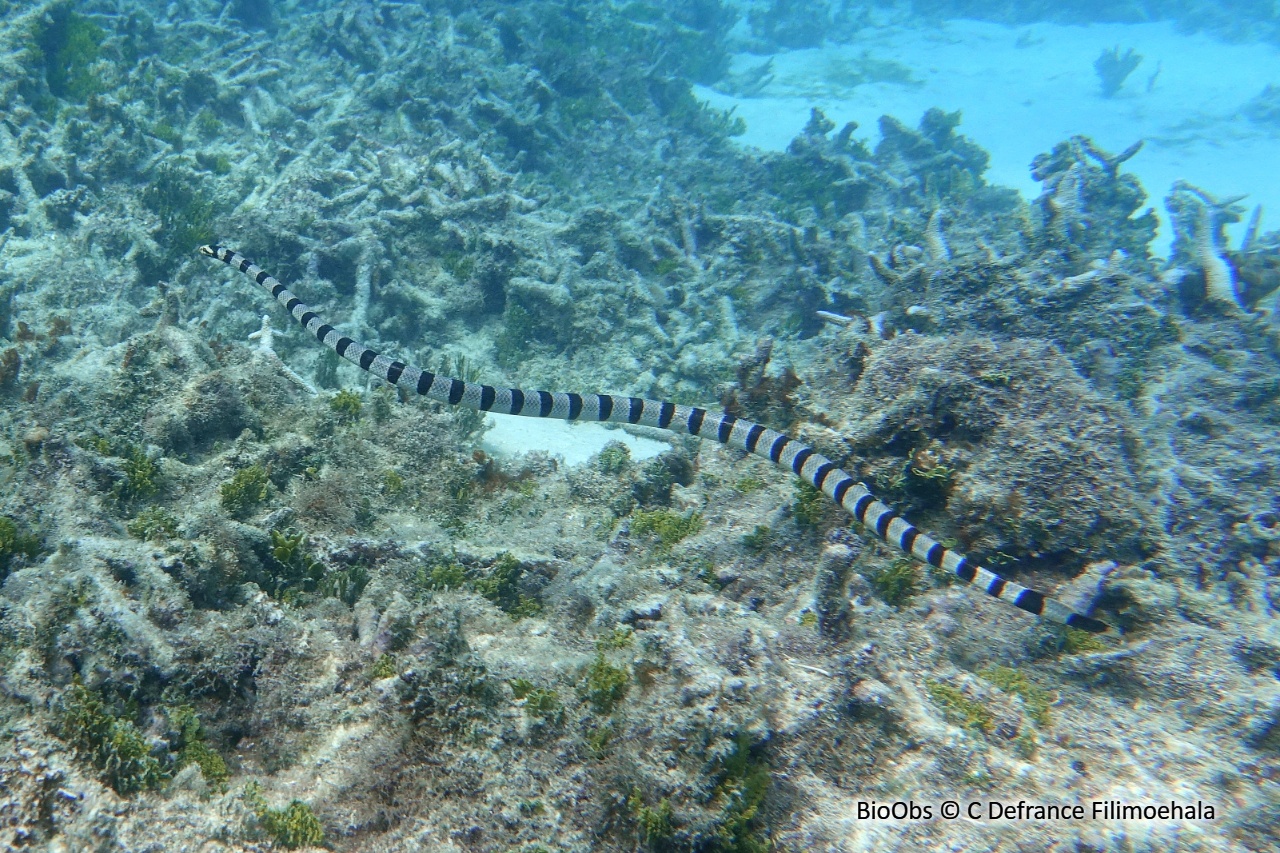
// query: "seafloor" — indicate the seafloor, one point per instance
point(252, 601)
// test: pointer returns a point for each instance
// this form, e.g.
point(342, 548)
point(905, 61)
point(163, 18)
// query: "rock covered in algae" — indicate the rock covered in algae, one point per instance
point(396, 641)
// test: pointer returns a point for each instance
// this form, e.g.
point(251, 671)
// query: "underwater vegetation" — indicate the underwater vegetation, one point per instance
point(234, 608)
point(959, 708)
point(153, 523)
point(114, 745)
point(194, 749)
point(184, 208)
point(667, 527)
point(540, 702)
point(15, 542)
point(69, 44)
point(292, 827)
point(605, 685)
point(502, 587)
point(246, 489)
point(896, 583)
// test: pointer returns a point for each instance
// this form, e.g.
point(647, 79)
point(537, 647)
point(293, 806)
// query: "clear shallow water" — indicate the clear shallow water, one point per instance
point(1022, 89)
point(252, 598)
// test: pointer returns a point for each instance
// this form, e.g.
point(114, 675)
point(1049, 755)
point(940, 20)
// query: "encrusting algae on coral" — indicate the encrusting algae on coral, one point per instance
point(234, 608)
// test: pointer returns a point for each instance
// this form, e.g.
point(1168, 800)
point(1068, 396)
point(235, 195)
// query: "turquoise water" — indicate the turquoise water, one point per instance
point(864, 315)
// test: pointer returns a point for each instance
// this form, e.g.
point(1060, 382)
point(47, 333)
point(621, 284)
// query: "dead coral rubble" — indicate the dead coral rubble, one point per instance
point(391, 638)
point(1041, 466)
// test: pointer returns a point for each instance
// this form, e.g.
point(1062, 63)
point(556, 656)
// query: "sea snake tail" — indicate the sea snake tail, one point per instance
point(810, 466)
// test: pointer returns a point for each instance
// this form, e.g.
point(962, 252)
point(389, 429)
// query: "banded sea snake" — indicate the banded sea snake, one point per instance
point(804, 462)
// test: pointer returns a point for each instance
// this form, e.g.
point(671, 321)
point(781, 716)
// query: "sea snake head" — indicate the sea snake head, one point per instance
point(777, 447)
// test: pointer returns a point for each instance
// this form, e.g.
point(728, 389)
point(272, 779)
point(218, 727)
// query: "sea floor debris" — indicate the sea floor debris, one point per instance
point(240, 614)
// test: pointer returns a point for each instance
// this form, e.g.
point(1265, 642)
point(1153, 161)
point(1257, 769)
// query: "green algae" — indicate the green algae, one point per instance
point(539, 702)
point(141, 476)
point(346, 585)
point(668, 527)
point(447, 574)
point(297, 576)
point(194, 749)
point(293, 826)
point(614, 458)
point(622, 637)
point(544, 703)
point(1073, 641)
point(759, 539)
point(245, 491)
point(653, 824)
point(70, 44)
point(392, 483)
point(742, 788)
point(598, 739)
point(178, 196)
point(605, 685)
point(512, 342)
point(1010, 680)
point(959, 708)
point(502, 587)
point(346, 405)
point(113, 745)
point(809, 505)
point(15, 543)
point(383, 667)
point(896, 583)
point(152, 524)
point(293, 570)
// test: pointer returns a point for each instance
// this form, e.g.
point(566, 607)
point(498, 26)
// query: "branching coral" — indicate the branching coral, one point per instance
point(1198, 220)
point(1088, 204)
point(1114, 68)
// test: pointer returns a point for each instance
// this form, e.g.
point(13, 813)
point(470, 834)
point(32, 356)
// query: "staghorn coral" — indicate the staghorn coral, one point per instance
point(1113, 68)
point(1198, 223)
point(689, 272)
point(1088, 206)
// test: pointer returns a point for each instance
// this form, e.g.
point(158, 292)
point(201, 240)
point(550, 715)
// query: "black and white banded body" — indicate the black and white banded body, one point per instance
point(778, 448)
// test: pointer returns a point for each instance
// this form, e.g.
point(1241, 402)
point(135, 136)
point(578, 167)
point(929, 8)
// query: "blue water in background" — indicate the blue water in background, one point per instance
point(673, 233)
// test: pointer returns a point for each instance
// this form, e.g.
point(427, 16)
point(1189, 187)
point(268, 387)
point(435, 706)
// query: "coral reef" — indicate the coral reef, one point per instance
point(789, 24)
point(240, 614)
point(1113, 68)
point(1023, 458)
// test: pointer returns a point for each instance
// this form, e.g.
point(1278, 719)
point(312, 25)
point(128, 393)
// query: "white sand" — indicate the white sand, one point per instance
point(1023, 89)
point(575, 443)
